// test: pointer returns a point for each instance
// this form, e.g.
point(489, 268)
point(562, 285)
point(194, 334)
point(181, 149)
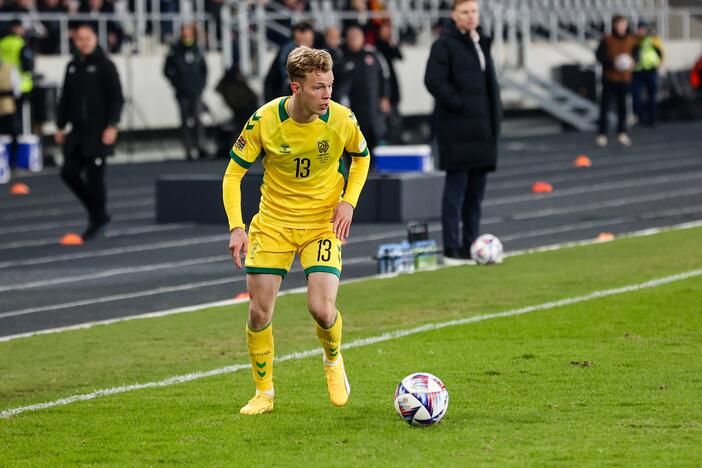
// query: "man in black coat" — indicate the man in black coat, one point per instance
point(186, 69)
point(366, 85)
point(461, 76)
point(91, 102)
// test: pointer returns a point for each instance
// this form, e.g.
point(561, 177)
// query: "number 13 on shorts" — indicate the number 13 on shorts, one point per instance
point(322, 254)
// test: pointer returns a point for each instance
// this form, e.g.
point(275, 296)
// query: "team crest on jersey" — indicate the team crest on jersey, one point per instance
point(240, 143)
point(323, 146)
point(285, 148)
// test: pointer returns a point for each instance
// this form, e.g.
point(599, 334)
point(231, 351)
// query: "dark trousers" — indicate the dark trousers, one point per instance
point(463, 197)
point(645, 80)
point(86, 179)
point(618, 91)
point(193, 132)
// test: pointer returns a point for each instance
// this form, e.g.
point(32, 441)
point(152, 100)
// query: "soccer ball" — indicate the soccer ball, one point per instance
point(487, 249)
point(623, 62)
point(421, 399)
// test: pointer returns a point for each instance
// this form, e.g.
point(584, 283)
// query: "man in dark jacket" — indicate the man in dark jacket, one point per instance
point(461, 76)
point(91, 102)
point(366, 85)
point(186, 69)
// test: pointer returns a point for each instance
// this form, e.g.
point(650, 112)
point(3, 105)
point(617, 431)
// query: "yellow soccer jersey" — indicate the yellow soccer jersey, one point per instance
point(303, 179)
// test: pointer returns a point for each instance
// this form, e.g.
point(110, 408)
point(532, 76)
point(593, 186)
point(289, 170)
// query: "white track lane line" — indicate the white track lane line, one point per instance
point(594, 188)
point(77, 209)
point(617, 202)
point(358, 343)
point(127, 231)
point(155, 291)
point(74, 222)
point(523, 235)
point(197, 307)
point(594, 172)
point(116, 193)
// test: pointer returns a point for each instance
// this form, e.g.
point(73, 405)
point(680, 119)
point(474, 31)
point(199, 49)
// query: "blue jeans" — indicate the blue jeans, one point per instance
point(462, 200)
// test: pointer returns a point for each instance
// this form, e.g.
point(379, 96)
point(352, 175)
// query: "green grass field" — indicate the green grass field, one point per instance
point(611, 381)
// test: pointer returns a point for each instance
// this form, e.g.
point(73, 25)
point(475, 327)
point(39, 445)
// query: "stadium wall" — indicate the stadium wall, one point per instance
point(155, 107)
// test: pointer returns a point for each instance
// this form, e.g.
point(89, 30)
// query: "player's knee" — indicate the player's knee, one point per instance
point(260, 314)
point(322, 309)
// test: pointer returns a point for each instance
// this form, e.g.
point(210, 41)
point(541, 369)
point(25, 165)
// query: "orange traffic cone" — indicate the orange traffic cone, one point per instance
point(242, 296)
point(582, 161)
point(71, 239)
point(605, 236)
point(19, 189)
point(542, 187)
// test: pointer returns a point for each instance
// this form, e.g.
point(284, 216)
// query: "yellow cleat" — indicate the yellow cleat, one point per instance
point(259, 404)
point(337, 382)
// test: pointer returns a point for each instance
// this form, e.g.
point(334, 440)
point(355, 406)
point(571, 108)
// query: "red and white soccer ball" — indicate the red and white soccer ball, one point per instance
point(486, 250)
point(421, 399)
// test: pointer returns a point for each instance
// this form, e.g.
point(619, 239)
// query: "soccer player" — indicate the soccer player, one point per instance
point(304, 209)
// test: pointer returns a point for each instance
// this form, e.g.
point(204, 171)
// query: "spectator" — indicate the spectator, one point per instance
point(391, 52)
point(615, 53)
point(91, 102)
point(115, 34)
point(15, 52)
point(50, 43)
point(186, 69)
point(10, 91)
point(649, 54)
point(241, 100)
point(460, 74)
point(276, 83)
point(367, 85)
point(332, 38)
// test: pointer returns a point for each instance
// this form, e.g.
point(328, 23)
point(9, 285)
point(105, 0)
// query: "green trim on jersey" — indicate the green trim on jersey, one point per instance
point(325, 117)
point(282, 112)
point(266, 271)
point(323, 269)
point(364, 154)
point(243, 163)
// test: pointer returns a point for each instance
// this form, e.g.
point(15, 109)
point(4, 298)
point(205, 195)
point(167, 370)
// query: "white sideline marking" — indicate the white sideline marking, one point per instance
point(227, 302)
point(357, 343)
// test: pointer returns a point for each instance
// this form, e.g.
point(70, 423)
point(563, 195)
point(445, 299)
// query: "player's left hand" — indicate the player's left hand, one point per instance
point(109, 136)
point(341, 219)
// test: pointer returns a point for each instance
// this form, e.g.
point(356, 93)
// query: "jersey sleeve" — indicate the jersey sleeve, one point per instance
point(231, 194)
point(247, 147)
point(355, 144)
point(358, 149)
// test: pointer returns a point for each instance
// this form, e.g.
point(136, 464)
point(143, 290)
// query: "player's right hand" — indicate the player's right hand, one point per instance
point(238, 245)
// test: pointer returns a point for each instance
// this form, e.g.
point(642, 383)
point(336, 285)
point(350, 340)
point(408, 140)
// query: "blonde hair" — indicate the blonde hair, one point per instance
point(303, 60)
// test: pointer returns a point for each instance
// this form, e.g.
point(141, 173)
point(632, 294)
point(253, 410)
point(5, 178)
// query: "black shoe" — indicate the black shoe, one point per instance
point(96, 228)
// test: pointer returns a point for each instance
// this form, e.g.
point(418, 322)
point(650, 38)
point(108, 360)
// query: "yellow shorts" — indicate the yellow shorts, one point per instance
point(272, 249)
